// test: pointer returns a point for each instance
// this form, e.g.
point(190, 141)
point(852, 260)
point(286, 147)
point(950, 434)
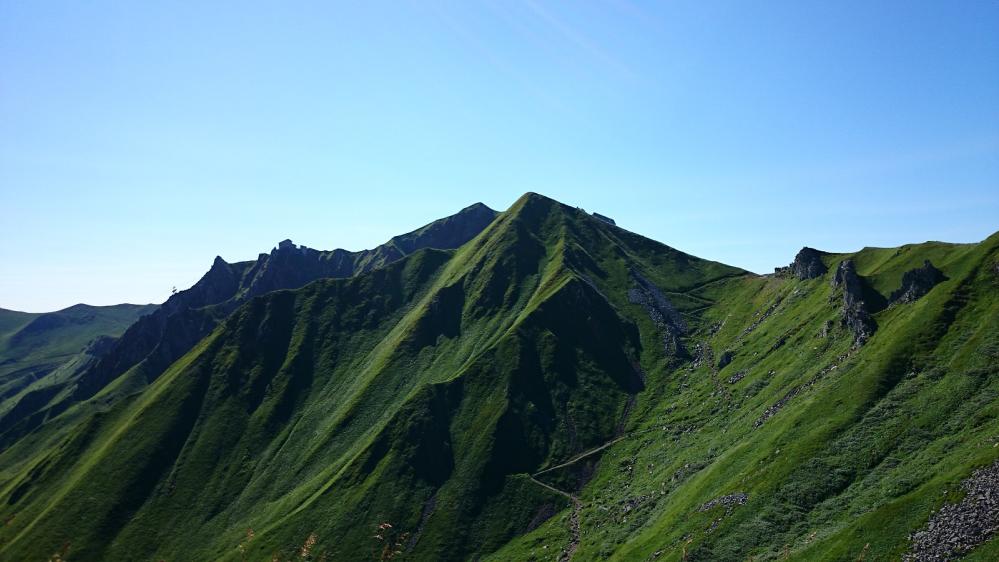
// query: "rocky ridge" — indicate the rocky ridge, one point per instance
point(158, 339)
point(180, 323)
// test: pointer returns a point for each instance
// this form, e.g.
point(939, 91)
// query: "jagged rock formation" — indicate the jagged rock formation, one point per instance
point(917, 282)
point(854, 313)
point(807, 264)
point(958, 528)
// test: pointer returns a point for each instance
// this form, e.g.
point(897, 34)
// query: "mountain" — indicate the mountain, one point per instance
point(160, 338)
point(36, 347)
point(555, 388)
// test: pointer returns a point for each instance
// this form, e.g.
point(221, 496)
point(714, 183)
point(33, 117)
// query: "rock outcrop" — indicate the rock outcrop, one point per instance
point(917, 282)
point(807, 264)
point(854, 313)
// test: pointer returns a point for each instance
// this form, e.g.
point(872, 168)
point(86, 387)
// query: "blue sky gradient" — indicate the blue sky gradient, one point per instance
point(140, 139)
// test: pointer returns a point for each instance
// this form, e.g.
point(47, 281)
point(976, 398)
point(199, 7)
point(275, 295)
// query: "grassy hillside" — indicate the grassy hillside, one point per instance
point(804, 447)
point(150, 345)
point(34, 345)
point(557, 388)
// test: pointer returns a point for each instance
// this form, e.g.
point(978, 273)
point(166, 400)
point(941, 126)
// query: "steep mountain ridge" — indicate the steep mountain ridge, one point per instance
point(555, 388)
point(225, 286)
point(160, 338)
point(488, 339)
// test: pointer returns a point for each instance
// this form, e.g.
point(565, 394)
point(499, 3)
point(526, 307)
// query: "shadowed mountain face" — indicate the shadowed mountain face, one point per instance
point(160, 338)
point(555, 388)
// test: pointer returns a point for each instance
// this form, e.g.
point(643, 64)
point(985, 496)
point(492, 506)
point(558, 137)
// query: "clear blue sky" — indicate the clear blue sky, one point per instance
point(140, 139)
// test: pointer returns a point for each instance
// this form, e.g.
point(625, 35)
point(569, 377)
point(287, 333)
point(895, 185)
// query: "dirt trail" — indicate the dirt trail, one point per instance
point(577, 506)
point(582, 455)
point(570, 550)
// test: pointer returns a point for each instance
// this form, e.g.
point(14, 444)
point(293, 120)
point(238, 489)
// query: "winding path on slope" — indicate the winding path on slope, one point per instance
point(570, 550)
point(582, 455)
point(577, 506)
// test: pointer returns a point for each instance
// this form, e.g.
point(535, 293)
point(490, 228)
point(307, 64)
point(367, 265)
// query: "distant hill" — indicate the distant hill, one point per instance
point(33, 345)
point(554, 388)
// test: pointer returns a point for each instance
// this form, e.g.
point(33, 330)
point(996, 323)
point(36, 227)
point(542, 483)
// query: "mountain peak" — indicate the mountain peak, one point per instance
point(477, 207)
point(532, 197)
point(474, 398)
point(533, 205)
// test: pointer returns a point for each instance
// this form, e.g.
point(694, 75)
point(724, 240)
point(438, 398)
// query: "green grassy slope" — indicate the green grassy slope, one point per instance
point(151, 345)
point(553, 389)
point(436, 381)
point(866, 445)
point(33, 345)
point(155, 341)
point(35, 340)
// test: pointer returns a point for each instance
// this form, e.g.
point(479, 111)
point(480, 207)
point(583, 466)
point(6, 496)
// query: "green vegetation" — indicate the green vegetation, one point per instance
point(529, 396)
point(40, 350)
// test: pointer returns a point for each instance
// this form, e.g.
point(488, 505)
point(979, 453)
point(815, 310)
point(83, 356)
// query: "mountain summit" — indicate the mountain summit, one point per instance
point(550, 386)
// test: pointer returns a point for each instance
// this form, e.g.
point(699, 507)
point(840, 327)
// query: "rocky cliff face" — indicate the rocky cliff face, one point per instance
point(807, 264)
point(854, 313)
point(917, 282)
